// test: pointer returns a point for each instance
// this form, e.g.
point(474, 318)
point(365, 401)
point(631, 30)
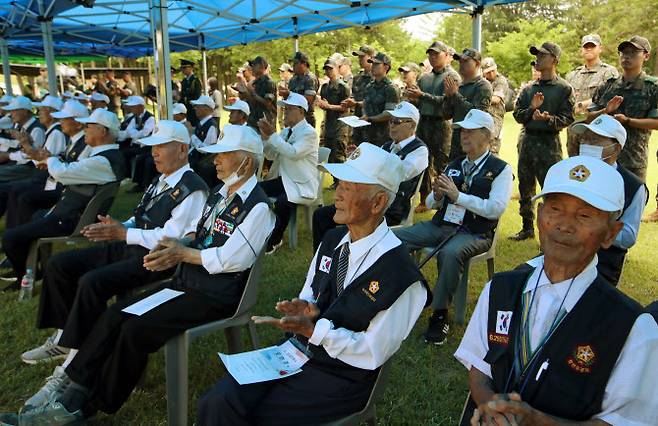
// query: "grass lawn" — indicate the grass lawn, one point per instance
point(427, 385)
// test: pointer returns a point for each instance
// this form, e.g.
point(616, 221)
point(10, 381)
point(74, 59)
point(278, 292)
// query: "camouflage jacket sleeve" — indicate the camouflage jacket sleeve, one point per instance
point(522, 111)
point(392, 97)
point(564, 116)
point(481, 100)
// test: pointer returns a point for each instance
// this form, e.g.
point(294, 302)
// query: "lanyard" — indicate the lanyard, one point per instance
point(216, 211)
point(472, 171)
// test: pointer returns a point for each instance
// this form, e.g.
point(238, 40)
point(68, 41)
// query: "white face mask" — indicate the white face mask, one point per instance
point(233, 178)
point(593, 151)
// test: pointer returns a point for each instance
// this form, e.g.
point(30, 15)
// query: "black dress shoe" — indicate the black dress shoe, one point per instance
point(524, 234)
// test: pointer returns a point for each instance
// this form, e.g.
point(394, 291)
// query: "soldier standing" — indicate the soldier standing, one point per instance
point(332, 94)
point(190, 89)
point(585, 79)
point(632, 99)
point(543, 108)
point(433, 128)
point(473, 93)
point(381, 96)
point(303, 82)
point(498, 107)
point(359, 84)
point(410, 73)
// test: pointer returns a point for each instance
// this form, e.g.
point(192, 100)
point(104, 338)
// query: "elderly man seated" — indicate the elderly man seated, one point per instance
point(293, 175)
point(362, 296)
point(557, 344)
point(213, 268)
point(605, 138)
point(470, 197)
point(15, 163)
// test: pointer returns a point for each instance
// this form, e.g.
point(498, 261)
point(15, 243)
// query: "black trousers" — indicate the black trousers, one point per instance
point(26, 200)
point(112, 359)
point(16, 241)
point(283, 208)
point(77, 285)
point(308, 398)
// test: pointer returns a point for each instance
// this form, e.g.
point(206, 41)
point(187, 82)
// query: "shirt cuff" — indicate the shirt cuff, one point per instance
point(469, 360)
point(133, 237)
point(210, 260)
point(322, 327)
point(460, 199)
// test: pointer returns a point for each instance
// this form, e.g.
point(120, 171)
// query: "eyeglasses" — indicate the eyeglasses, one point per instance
point(397, 121)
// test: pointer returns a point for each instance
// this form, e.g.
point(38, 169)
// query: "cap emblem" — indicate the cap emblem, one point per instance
point(598, 121)
point(355, 154)
point(579, 173)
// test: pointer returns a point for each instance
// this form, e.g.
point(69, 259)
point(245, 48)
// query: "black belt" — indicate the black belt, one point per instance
point(533, 132)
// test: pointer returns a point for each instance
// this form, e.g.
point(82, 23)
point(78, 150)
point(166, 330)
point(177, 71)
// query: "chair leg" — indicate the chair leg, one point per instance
point(253, 335)
point(176, 367)
point(309, 210)
point(490, 267)
point(461, 296)
point(233, 339)
point(292, 230)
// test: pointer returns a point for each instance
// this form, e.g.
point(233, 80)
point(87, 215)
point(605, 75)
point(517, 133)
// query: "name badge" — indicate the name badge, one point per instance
point(455, 214)
point(453, 172)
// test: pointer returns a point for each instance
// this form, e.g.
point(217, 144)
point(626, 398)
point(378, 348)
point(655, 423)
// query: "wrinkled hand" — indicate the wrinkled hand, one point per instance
point(39, 154)
point(516, 411)
point(322, 103)
point(298, 307)
point(541, 115)
point(537, 100)
point(451, 87)
point(107, 229)
point(42, 166)
point(614, 104)
point(438, 192)
point(348, 103)
point(447, 186)
point(485, 415)
point(299, 317)
point(267, 128)
point(622, 118)
point(413, 92)
point(168, 253)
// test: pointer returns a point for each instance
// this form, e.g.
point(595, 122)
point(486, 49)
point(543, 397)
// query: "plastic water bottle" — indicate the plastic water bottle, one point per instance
point(27, 285)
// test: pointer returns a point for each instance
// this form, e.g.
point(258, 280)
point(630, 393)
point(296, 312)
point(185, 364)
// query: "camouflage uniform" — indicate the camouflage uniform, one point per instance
point(475, 94)
point(334, 132)
point(584, 82)
point(306, 85)
point(500, 88)
point(539, 142)
point(264, 87)
point(640, 101)
point(359, 84)
point(190, 91)
point(380, 96)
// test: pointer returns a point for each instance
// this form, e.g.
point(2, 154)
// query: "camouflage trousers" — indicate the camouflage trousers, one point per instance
point(436, 134)
point(536, 155)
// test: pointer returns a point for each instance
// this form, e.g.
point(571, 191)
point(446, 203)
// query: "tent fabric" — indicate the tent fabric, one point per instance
point(122, 27)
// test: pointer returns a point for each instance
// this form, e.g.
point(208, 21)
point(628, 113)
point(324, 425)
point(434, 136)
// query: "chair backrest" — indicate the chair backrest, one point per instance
point(100, 203)
point(250, 293)
point(323, 157)
point(380, 383)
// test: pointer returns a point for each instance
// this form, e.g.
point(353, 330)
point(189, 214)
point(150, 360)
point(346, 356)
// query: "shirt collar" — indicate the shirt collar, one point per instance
point(203, 120)
point(477, 160)
point(52, 126)
point(98, 149)
point(405, 142)
point(361, 247)
point(173, 179)
point(28, 123)
point(580, 283)
point(298, 125)
point(244, 190)
point(77, 136)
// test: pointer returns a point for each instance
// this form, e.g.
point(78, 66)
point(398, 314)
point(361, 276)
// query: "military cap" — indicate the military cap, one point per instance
point(547, 47)
point(438, 47)
point(258, 60)
point(185, 62)
point(330, 63)
point(488, 64)
point(468, 53)
point(301, 57)
point(285, 67)
point(595, 39)
point(380, 58)
point(636, 41)
point(410, 66)
point(364, 50)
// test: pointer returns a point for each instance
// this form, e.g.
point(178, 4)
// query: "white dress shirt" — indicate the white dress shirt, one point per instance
point(211, 136)
point(38, 136)
point(94, 169)
point(631, 219)
point(415, 162)
point(368, 349)
point(132, 133)
point(630, 397)
point(56, 141)
point(51, 183)
point(236, 254)
point(183, 220)
point(491, 208)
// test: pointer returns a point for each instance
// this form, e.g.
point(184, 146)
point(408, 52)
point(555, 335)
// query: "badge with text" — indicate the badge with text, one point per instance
point(503, 320)
point(325, 264)
point(582, 358)
point(455, 214)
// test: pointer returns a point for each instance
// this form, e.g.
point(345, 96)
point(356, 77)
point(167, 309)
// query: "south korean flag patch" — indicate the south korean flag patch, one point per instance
point(325, 264)
point(503, 321)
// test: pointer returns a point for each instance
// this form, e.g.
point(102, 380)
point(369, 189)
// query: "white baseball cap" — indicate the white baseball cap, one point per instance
point(239, 105)
point(71, 109)
point(103, 117)
point(81, 97)
point(167, 131)
point(405, 110)
point(236, 138)
point(133, 101)
point(50, 102)
point(6, 123)
point(604, 125)
point(179, 109)
point(204, 100)
point(19, 102)
point(294, 99)
point(590, 179)
point(99, 97)
point(476, 119)
point(371, 165)
point(6, 99)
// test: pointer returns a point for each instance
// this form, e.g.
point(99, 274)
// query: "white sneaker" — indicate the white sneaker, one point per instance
point(49, 351)
point(53, 388)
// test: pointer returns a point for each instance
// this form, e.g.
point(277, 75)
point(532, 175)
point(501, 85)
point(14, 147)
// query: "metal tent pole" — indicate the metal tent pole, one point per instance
point(204, 64)
point(6, 68)
point(82, 75)
point(477, 28)
point(49, 53)
point(160, 29)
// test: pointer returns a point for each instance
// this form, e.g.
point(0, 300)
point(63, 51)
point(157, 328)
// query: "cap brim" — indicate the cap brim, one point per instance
point(347, 173)
point(580, 128)
point(158, 140)
point(359, 53)
point(10, 108)
point(86, 120)
point(486, 70)
point(200, 104)
point(587, 196)
point(590, 41)
point(627, 43)
point(284, 103)
point(467, 125)
point(224, 147)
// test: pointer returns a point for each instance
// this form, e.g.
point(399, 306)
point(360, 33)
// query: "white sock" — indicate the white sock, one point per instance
point(58, 336)
point(69, 358)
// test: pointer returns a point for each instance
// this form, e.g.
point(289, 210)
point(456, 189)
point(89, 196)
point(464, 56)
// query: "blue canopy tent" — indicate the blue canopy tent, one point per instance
point(135, 28)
